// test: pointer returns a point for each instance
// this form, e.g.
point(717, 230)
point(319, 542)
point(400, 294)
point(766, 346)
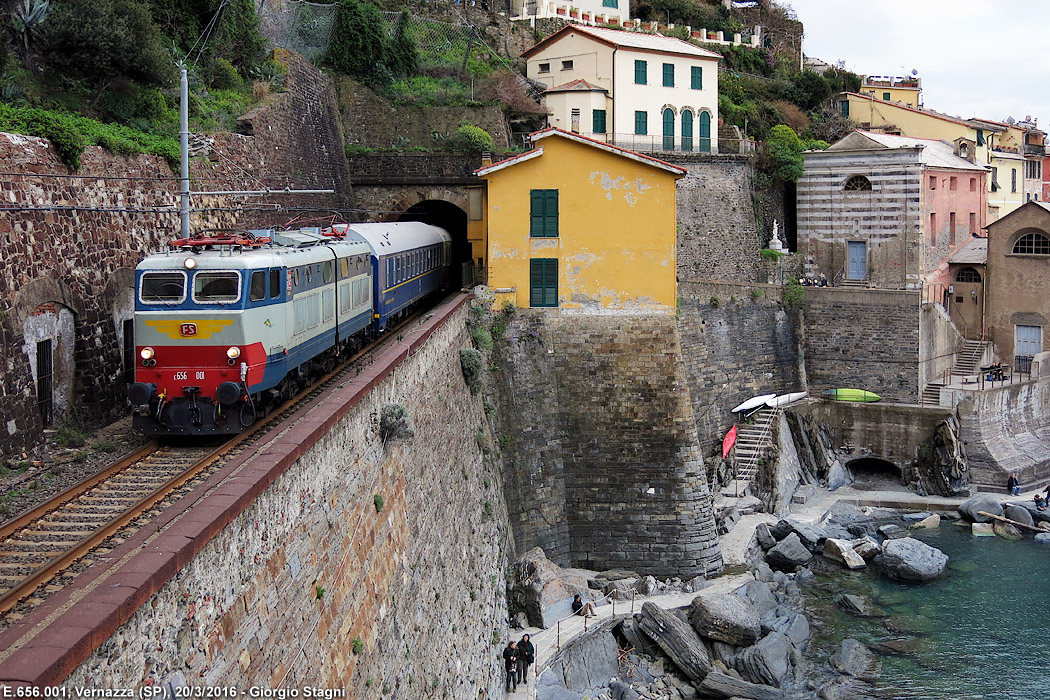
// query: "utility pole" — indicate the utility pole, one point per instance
point(184, 155)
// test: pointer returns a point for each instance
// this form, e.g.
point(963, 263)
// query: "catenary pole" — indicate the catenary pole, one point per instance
point(184, 156)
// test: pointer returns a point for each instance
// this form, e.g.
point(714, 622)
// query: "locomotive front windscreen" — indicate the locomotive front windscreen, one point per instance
point(216, 287)
point(163, 287)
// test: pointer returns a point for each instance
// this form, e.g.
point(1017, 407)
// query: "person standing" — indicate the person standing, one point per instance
point(526, 657)
point(510, 662)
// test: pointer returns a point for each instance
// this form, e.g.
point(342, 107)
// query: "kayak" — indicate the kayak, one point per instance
point(859, 395)
point(785, 399)
point(728, 441)
point(753, 402)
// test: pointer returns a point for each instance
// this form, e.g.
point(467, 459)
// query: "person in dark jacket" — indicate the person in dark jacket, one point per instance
point(581, 608)
point(526, 657)
point(510, 662)
point(1012, 486)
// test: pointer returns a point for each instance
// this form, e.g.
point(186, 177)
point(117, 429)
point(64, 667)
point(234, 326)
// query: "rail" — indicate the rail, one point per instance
point(765, 433)
point(556, 642)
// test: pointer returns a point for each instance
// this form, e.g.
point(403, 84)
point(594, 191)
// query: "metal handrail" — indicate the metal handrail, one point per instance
point(763, 434)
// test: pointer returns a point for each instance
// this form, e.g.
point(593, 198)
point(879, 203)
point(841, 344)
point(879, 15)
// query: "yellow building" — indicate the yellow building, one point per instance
point(906, 90)
point(995, 144)
point(582, 226)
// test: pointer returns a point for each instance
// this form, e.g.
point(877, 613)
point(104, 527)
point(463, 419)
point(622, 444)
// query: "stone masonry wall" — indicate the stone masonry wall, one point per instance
point(718, 234)
point(737, 342)
point(602, 464)
point(83, 258)
point(418, 582)
point(863, 339)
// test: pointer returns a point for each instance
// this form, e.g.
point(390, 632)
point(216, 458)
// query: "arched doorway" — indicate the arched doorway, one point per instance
point(49, 342)
point(874, 472)
point(454, 220)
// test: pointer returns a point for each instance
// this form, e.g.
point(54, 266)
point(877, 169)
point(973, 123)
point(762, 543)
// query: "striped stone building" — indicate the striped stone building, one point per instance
point(887, 211)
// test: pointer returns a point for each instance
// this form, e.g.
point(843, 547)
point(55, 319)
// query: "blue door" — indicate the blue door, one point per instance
point(858, 261)
point(1029, 340)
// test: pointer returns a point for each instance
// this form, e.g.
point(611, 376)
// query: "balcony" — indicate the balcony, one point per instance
point(1035, 149)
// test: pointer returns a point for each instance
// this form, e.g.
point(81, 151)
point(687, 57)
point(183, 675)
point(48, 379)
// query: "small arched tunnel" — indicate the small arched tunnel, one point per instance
point(873, 469)
point(454, 220)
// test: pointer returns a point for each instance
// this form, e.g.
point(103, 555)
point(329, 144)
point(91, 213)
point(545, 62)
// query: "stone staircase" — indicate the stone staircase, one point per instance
point(752, 439)
point(967, 363)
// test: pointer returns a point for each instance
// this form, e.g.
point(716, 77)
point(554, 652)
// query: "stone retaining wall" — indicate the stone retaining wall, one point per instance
point(603, 466)
point(271, 578)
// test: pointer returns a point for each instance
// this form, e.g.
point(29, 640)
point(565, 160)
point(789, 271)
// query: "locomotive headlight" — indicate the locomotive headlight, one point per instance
point(146, 353)
point(189, 263)
point(233, 353)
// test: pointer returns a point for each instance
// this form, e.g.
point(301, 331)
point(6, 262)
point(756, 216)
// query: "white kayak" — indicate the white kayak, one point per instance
point(753, 402)
point(785, 399)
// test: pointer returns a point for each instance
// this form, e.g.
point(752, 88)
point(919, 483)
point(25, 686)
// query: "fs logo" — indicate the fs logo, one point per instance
point(188, 329)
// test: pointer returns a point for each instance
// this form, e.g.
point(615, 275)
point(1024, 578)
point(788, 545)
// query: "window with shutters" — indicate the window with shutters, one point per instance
point(544, 214)
point(598, 119)
point(640, 72)
point(641, 123)
point(611, 3)
point(696, 77)
point(668, 75)
point(886, 96)
point(543, 282)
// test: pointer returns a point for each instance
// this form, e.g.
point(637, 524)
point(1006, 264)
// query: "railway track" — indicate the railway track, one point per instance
point(37, 546)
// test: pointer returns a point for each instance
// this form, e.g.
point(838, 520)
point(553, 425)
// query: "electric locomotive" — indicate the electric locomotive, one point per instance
point(228, 326)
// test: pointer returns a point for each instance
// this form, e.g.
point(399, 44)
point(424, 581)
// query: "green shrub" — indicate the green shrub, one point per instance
point(224, 75)
point(394, 422)
point(472, 139)
point(770, 255)
point(356, 48)
point(794, 294)
point(377, 501)
point(470, 361)
point(482, 338)
point(358, 646)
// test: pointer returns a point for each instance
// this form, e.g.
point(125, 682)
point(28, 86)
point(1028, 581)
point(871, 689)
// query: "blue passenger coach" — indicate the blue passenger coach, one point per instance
point(410, 260)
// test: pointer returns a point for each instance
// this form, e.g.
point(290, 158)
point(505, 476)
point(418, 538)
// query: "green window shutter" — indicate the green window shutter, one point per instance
point(886, 96)
point(536, 212)
point(543, 282)
point(610, 3)
point(696, 77)
point(641, 123)
point(668, 75)
point(640, 70)
point(550, 219)
point(599, 121)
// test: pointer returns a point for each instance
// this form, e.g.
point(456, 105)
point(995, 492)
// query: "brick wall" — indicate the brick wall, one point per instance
point(417, 167)
point(83, 259)
point(863, 339)
point(419, 583)
point(603, 467)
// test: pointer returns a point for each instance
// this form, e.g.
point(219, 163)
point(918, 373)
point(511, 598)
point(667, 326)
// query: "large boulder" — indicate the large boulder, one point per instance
point(764, 536)
point(677, 639)
point(838, 476)
point(768, 662)
point(794, 625)
point(908, 559)
point(842, 552)
point(1043, 538)
point(1006, 530)
point(726, 618)
point(1019, 514)
point(722, 685)
point(930, 522)
point(788, 554)
point(866, 547)
point(854, 659)
point(811, 536)
point(545, 590)
point(971, 508)
point(759, 595)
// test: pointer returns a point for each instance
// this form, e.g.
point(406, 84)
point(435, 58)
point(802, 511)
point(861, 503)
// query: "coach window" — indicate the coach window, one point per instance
point(275, 282)
point(258, 288)
point(309, 273)
point(327, 271)
point(295, 277)
point(344, 268)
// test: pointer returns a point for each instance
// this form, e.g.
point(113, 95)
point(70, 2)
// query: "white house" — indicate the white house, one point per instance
point(639, 91)
point(598, 11)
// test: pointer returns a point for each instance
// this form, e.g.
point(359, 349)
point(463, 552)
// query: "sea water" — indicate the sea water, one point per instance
point(981, 632)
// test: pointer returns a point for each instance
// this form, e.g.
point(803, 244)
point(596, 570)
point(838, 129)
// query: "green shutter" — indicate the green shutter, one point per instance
point(599, 121)
point(543, 282)
point(641, 123)
point(550, 219)
point(668, 75)
point(640, 76)
point(536, 211)
point(697, 77)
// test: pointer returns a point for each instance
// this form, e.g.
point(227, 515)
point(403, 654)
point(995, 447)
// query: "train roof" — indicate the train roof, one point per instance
point(390, 238)
point(285, 248)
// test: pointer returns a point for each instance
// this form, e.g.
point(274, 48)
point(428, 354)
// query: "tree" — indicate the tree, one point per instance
point(784, 151)
point(809, 90)
point(400, 53)
point(357, 40)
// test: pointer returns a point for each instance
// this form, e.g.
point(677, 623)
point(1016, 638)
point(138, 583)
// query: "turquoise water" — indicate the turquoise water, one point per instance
point(982, 632)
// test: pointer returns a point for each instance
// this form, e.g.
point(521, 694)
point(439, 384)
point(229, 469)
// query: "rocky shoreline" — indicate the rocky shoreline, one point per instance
point(758, 641)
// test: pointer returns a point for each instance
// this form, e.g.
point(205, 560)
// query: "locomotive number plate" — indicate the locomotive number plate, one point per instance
point(188, 329)
point(182, 376)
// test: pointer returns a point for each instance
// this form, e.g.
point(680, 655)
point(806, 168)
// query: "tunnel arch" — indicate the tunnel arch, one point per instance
point(453, 218)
